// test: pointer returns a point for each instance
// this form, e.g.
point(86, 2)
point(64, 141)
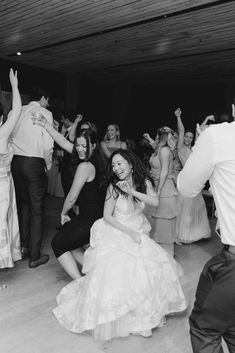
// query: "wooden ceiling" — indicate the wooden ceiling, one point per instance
point(168, 40)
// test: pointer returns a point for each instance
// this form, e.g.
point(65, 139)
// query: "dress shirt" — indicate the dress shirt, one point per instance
point(213, 158)
point(32, 140)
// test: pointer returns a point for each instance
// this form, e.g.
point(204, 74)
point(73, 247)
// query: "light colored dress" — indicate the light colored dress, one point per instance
point(9, 229)
point(54, 180)
point(192, 221)
point(163, 217)
point(128, 287)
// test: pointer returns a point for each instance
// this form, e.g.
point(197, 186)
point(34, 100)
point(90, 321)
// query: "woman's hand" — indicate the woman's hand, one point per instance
point(124, 186)
point(64, 218)
point(13, 78)
point(178, 112)
point(40, 120)
point(210, 118)
point(56, 125)
point(233, 111)
point(78, 118)
point(135, 236)
point(147, 136)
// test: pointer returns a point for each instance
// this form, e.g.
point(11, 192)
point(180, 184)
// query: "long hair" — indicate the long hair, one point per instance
point(91, 138)
point(162, 134)
point(139, 172)
point(118, 132)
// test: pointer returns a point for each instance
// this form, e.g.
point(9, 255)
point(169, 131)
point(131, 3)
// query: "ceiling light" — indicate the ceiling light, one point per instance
point(18, 53)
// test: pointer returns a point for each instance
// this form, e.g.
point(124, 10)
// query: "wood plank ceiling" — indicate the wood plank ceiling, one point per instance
point(168, 40)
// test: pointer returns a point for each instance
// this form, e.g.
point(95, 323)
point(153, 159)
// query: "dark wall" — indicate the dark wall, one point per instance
point(95, 103)
point(153, 106)
point(53, 82)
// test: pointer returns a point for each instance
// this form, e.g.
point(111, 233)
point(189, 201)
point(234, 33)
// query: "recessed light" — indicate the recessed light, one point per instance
point(18, 53)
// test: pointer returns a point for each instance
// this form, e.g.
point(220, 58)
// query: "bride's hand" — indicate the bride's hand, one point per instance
point(135, 236)
point(124, 186)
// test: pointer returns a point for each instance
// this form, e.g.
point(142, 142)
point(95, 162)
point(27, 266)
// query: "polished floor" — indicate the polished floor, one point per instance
point(28, 296)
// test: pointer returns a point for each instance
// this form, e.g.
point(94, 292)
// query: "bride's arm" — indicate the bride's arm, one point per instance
point(109, 207)
point(150, 198)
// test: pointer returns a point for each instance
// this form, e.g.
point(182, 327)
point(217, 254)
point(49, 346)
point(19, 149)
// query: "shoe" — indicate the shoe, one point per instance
point(41, 261)
point(24, 253)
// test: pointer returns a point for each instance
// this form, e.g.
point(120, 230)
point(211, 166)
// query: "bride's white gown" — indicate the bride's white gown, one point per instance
point(128, 287)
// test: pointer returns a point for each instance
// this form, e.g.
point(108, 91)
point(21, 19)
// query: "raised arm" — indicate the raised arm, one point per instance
point(233, 109)
point(57, 137)
point(180, 127)
point(72, 132)
point(8, 126)
point(151, 141)
point(150, 198)
point(203, 125)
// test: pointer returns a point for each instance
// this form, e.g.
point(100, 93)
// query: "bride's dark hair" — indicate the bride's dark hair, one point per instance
point(139, 172)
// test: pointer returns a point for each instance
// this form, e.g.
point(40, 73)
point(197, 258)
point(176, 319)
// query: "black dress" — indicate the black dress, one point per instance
point(76, 232)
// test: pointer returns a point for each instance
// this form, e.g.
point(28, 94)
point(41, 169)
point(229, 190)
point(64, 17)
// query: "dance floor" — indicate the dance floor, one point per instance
point(26, 303)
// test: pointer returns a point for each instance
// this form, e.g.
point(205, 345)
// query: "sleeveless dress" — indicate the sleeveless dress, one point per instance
point(10, 250)
point(163, 217)
point(128, 287)
point(76, 233)
point(192, 221)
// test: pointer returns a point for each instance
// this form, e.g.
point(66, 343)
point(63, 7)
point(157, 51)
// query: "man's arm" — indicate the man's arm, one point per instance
point(48, 143)
point(198, 167)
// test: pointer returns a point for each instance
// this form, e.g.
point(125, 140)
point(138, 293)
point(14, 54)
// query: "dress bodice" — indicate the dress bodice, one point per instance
point(5, 160)
point(90, 199)
point(155, 166)
point(125, 206)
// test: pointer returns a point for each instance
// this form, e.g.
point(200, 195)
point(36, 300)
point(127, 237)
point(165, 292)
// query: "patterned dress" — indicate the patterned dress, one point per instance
point(9, 228)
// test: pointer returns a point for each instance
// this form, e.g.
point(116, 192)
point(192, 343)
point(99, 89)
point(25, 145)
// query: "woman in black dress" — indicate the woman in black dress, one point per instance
point(74, 234)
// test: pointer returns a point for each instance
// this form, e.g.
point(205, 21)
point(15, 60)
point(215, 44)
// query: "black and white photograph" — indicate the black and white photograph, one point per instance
point(117, 176)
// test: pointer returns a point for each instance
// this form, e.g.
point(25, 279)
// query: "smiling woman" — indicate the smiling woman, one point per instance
point(131, 283)
point(74, 234)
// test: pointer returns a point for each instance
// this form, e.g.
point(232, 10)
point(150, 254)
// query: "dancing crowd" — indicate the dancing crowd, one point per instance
point(124, 209)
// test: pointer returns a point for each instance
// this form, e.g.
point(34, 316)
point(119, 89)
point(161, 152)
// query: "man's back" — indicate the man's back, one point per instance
point(30, 140)
point(213, 158)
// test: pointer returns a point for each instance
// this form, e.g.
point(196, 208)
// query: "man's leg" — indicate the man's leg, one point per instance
point(22, 200)
point(37, 186)
point(214, 306)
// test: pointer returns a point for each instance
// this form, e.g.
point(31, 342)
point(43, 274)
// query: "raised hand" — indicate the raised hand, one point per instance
point(178, 113)
point(233, 110)
point(210, 117)
point(79, 118)
point(13, 78)
point(146, 136)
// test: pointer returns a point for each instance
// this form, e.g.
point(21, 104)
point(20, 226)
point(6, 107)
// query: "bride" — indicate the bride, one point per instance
point(130, 282)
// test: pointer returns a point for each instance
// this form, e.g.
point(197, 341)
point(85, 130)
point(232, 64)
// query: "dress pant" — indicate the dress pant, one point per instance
point(213, 315)
point(30, 180)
